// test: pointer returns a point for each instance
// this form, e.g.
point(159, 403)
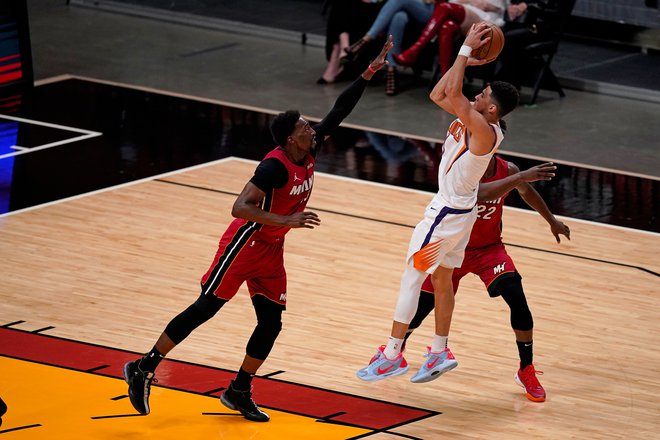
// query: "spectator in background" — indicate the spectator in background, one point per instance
point(393, 18)
point(347, 21)
point(447, 21)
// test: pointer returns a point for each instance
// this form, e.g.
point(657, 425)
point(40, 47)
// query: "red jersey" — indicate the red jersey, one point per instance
point(487, 228)
point(293, 196)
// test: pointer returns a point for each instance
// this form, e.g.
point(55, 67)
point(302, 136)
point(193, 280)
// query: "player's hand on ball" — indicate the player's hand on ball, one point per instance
point(472, 61)
point(476, 32)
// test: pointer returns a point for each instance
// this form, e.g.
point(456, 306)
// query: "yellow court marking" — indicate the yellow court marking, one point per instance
point(64, 403)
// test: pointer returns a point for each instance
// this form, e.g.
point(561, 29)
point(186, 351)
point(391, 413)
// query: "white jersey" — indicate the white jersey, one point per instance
point(460, 170)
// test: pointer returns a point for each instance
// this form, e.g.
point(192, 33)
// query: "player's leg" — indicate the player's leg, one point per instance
point(219, 284)
point(139, 373)
point(439, 359)
point(427, 299)
point(388, 360)
point(238, 395)
point(522, 323)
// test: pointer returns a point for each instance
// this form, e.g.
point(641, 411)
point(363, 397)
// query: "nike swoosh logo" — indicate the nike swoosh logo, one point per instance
point(383, 371)
point(430, 365)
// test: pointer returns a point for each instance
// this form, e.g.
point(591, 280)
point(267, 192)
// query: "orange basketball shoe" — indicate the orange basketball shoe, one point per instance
point(526, 378)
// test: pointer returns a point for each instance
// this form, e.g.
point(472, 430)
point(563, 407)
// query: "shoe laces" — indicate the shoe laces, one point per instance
point(246, 400)
point(528, 375)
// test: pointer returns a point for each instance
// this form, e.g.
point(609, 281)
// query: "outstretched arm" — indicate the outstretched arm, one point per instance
point(482, 136)
point(534, 200)
point(348, 99)
point(498, 188)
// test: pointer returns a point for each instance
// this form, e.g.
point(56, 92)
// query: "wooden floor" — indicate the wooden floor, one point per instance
point(114, 267)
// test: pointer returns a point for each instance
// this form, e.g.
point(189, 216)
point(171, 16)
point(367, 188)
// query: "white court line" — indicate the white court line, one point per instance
point(240, 159)
point(348, 125)
point(24, 150)
point(114, 187)
point(48, 124)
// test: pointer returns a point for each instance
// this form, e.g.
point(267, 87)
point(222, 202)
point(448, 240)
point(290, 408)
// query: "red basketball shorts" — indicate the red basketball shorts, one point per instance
point(488, 263)
point(246, 255)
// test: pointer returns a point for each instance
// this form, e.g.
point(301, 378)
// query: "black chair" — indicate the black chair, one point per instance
point(535, 66)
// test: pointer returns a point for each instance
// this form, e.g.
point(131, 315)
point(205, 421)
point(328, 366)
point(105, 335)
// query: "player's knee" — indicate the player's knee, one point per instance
point(263, 338)
point(195, 315)
point(512, 292)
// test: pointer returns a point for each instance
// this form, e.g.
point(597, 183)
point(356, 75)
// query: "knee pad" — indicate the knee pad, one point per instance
point(512, 292)
point(263, 339)
point(411, 284)
point(195, 315)
point(269, 325)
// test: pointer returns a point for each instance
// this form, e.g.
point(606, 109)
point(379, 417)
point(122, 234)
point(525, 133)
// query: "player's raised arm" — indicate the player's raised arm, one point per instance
point(482, 136)
point(348, 99)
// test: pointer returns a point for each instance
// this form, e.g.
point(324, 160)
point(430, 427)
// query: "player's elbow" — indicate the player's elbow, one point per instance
point(238, 209)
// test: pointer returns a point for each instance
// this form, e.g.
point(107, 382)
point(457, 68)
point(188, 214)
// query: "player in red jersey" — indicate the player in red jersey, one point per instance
point(251, 249)
point(486, 257)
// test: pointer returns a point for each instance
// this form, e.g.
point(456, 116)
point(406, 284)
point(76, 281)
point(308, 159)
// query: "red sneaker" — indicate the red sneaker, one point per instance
point(527, 379)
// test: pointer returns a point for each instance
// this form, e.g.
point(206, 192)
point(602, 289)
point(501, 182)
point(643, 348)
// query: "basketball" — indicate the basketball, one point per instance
point(493, 48)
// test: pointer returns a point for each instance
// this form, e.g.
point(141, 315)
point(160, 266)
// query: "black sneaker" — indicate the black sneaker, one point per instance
point(242, 401)
point(139, 386)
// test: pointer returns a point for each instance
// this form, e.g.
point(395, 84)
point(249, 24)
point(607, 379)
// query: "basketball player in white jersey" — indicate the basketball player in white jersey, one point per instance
point(438, 242)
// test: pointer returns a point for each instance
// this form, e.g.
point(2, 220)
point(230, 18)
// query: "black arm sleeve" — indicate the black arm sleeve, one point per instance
point(271, 173)
point(343, 107)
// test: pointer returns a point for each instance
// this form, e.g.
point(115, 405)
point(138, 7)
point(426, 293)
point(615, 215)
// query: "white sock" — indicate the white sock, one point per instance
point(393, 347)
point(439, 343)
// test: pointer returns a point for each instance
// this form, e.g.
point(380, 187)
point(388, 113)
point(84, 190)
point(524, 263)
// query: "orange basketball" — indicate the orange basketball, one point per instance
point(493, 48)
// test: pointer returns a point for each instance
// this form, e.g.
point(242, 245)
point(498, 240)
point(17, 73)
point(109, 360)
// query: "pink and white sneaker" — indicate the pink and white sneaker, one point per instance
point(435, 365)
point(381, 367)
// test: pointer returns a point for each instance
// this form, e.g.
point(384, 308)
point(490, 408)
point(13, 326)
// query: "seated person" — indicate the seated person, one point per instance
point(347, 21)
point(393, 18)
point(447, 21)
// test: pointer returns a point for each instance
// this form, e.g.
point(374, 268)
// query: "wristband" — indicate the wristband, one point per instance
point(466, 51)
point(371, 69)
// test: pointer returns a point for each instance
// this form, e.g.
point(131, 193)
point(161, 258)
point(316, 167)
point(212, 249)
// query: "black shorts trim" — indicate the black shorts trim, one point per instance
point(493, 291)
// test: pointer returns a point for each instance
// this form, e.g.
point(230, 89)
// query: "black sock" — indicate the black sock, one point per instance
point(151, 360)
point(526, 352)
point(243, 380)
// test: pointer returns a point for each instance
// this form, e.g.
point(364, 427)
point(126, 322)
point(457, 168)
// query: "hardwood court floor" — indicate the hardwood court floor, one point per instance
point(113, 267)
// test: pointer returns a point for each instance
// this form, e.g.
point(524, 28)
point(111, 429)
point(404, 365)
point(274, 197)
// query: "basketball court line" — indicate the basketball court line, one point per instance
point(114, 187)
point(86, 134)
point(346, 125)
point(641, 268)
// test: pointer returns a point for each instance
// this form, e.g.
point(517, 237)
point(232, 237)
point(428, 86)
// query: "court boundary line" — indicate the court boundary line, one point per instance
point(346, 125)
point(114, 187)
point(353, 179)
point(86, 134)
